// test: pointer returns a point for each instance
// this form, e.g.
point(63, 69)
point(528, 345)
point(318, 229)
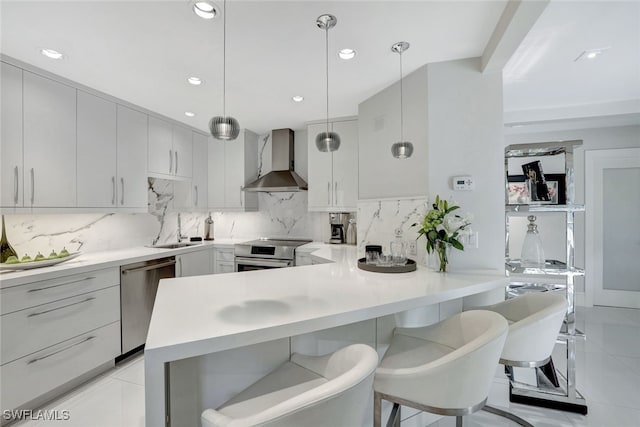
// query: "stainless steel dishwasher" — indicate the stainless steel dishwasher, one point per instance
point(138, 287)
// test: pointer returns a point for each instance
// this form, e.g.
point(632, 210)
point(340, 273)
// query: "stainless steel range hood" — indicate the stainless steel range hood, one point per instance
point(282, 177)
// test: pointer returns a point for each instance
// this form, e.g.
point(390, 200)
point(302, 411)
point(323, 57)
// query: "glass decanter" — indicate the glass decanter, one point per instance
point(532, 255)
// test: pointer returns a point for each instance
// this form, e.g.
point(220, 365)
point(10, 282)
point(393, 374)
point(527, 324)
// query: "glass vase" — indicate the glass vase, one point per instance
point(532, 252)
point(5, 248)
point(439, 257)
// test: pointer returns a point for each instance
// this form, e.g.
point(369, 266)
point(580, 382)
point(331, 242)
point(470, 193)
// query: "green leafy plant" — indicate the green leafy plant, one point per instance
point(442, 229)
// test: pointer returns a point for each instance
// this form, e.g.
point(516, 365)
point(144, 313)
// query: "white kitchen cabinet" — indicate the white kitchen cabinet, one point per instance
point(55, 331)
point(131, 181)
point(192, 194)
point(49, 114)
point(333, 177)
point(223, 260)
point(238, 161)
point(11, 161)
point(96, 138)
point(170, 150)
point(194, 263)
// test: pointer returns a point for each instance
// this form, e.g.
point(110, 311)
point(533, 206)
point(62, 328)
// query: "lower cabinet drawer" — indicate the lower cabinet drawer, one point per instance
point(27, 331)
point(224, 267)
point(32, 376)
point(225, 255)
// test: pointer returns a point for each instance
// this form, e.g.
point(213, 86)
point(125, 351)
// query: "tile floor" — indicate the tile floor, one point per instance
point(608, 375)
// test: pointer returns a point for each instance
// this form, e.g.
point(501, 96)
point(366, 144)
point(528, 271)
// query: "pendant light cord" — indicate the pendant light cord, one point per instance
point(327, 68)
point(401, 115)
point(224, 61)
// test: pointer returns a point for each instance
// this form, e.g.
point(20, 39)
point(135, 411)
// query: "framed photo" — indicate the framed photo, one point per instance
point(518, 190)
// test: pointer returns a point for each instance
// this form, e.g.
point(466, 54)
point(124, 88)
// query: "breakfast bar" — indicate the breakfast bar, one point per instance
point(198, 316)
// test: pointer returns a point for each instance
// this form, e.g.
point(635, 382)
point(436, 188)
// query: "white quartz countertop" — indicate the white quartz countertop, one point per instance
point(96, 260)
point(206, 314)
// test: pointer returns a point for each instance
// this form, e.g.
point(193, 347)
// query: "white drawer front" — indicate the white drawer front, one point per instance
point(32, 376)
point(224, 255)
point(36, 293)
point(35, 328)
point(225, 267)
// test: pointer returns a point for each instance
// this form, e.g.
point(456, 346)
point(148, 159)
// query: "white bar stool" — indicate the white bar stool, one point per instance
point(534, 322)
point(333, 389)
point(445, 369)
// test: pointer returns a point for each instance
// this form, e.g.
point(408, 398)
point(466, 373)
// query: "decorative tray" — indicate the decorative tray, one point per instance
point(38, 264)
point(409, 266)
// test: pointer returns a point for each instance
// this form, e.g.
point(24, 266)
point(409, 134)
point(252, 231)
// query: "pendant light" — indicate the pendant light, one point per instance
point(402, 149)
point(225, 128)
point(327, 141)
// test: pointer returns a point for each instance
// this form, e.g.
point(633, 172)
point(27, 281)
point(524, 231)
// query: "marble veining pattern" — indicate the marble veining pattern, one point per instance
point(379, 220)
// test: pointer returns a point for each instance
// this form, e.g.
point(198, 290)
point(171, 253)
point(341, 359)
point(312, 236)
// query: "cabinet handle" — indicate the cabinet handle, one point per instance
point(15, 185)
point(335, 194)
point(328, 193)
point(61, 284)
point(241, 195)
point(195, 187)
point(33, 185)
point(39, 313)
point(170, 161)
point(113, 190)
point(176, 162)
point(180, 265)
point(122, 195)
point(37, 359)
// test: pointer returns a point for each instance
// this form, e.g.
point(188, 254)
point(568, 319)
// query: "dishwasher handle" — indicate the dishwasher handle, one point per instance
point(150, 267)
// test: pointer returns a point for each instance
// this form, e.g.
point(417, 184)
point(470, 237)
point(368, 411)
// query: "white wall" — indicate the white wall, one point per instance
point(593, 139)
point(465, 137)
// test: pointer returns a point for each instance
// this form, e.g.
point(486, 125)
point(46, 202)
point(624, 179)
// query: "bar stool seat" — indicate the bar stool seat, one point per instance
point(446, 368)
point(333, 389)
point(534, 322)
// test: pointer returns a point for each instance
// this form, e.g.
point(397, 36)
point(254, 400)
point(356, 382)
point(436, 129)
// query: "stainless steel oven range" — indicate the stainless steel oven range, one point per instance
point(266, 253)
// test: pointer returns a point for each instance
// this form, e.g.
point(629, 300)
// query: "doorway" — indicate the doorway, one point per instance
point(612, 241)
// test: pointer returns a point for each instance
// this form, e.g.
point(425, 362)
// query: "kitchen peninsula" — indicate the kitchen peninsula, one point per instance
point(204, 328)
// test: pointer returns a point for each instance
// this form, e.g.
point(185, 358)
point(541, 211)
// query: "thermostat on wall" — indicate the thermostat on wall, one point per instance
point(463, 183)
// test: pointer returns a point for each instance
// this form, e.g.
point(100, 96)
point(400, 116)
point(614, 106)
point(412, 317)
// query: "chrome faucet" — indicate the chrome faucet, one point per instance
point(180, 236)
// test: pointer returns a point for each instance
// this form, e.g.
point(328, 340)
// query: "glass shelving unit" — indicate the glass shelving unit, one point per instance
point(556, 276)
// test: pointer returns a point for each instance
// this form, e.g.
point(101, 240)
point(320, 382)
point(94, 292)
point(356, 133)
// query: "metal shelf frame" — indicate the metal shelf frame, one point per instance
point(555, 276)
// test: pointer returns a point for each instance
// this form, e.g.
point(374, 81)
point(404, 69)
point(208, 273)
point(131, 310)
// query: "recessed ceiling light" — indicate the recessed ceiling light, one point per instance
point(196, 81)
point(591, 53)
point(205, 9)
point(297, 98)
point(50, 53)
point(347, 53)
point(189, 114)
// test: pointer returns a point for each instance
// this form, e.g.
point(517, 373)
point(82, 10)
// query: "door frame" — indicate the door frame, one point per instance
point(593, 218)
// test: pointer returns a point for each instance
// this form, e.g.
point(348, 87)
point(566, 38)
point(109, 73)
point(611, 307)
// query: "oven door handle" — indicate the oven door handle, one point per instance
point(263, 262)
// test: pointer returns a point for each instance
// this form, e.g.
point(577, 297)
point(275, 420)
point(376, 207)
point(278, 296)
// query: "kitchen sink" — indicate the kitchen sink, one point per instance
point(174, 245)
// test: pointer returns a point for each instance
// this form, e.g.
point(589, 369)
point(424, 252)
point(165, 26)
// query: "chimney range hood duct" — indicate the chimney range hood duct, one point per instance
point(282, 177)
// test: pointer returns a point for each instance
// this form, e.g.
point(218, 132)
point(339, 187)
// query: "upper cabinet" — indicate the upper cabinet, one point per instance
point(232, 165)
point(11, 165)
point(380, 175)
point(192, 194)
point(131, 181)
point(333, 177)
point(96, 137)
point(49, 114)
point(170, 150)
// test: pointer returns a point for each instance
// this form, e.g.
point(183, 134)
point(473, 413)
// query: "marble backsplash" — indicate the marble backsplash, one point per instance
point(379, 220)
point(279, 215)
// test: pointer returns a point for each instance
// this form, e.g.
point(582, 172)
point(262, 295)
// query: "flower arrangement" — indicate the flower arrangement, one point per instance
point(442, 228)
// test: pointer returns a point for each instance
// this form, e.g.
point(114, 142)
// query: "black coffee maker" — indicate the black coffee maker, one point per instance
point(338, 222)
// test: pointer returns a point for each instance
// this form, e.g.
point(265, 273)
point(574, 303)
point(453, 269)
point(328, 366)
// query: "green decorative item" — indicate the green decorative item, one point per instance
point(6, 250)
point(442, 228)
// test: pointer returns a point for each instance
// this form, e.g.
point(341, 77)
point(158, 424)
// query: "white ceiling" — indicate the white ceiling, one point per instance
point(143, 51)
point(543, 75)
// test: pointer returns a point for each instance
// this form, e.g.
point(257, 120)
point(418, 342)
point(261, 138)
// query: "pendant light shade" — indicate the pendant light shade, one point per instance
point(401, 149)
point(327, 141)
point(225, 128)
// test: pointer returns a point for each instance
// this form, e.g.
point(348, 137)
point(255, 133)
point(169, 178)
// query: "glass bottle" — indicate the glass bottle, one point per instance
point(5, 248)
point(532, 252)
point(352, 232)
